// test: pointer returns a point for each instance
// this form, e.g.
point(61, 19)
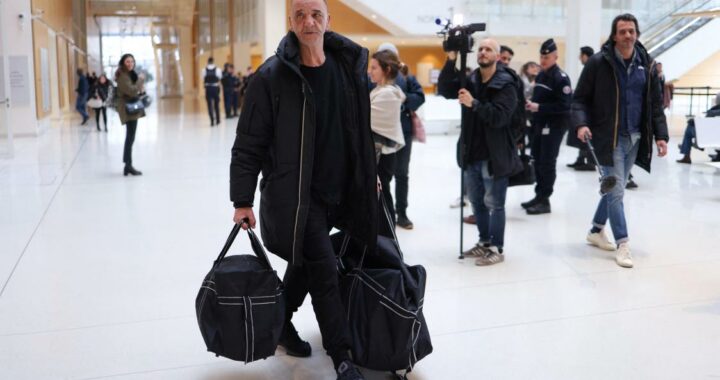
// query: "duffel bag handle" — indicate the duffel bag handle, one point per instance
point(257, 247)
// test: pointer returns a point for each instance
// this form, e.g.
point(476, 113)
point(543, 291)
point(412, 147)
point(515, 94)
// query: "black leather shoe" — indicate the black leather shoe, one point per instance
point(131, 170)
point(291, 342)
point(530, 203)
point(542, 207)
point(404, 222)
point(585, 167)
point(575, 164)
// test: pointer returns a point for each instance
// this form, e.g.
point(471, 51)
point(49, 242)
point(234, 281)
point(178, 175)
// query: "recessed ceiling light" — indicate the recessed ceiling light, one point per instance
point(374, 17)
point(365, 39)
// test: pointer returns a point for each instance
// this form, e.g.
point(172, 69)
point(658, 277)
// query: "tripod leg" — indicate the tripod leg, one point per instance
point(462, 210)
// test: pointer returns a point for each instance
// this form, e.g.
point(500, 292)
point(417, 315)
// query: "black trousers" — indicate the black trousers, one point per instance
point(97, 117)
point(545, 150)
point(229, 100)
point(386, 171)
point(131, 128)
point(319, 277)
point(212, 96)
point(402, 168)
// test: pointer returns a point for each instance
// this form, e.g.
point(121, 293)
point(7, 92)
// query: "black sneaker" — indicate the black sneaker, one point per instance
point(347, 371)
point(290, 340)
point(404, 222)
point(530, 203)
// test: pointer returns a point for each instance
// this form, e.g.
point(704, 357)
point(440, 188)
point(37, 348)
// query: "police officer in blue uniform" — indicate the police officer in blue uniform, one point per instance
point(550, 105)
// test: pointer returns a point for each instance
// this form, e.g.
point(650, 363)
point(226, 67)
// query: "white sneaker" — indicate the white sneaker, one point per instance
point(456, 202)
point(601, 241)
point(623, 256)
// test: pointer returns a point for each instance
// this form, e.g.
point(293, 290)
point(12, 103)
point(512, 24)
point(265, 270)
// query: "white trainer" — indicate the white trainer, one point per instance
point(623, 256)
point(601, 241)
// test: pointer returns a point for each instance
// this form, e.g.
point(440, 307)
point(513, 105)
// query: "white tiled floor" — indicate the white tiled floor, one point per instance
point(100, 271)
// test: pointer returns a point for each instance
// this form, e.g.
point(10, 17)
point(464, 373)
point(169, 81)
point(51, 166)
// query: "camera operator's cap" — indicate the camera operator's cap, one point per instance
point(548, 47)
point(389, 47)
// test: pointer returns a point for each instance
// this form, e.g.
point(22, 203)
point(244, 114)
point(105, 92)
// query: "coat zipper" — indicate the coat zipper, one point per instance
point(617, 107)
point(302, 147)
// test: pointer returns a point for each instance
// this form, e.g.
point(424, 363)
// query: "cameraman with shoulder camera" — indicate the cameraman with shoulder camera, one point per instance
point(487, 151)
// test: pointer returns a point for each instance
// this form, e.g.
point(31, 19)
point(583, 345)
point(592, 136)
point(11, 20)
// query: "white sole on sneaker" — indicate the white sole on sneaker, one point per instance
point(599, 241)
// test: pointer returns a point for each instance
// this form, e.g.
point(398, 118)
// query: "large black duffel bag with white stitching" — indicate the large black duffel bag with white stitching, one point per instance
point(383, 299)
point(241, 306)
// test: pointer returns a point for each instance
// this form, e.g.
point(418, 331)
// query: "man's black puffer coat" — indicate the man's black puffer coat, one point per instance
point(596, 105)
point(276, 135)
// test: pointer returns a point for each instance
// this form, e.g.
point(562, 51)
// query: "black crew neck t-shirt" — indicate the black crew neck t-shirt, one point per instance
point(330, 162)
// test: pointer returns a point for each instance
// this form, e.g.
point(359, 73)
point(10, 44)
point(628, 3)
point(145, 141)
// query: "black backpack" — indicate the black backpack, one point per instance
point(241, 305)
point(383, 299)
point(519, 117)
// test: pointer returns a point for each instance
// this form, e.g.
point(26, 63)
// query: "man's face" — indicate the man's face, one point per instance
point(626, 35)
point(548, 60)
point(583, 58)
point(486, 55)
point(309, 20)
point(506, 57)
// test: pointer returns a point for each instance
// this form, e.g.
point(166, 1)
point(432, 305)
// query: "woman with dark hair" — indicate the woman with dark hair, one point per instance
point(130, 86)
point(386, 100)
point(99, 94)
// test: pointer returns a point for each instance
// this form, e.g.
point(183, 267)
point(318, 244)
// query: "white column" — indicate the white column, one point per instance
point(20, 60)
point(583, 28)
point(273, 25)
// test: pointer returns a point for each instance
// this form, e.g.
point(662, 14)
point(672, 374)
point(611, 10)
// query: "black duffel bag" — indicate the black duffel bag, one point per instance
point(383, 299)
point(527, 175)
point(241, 305)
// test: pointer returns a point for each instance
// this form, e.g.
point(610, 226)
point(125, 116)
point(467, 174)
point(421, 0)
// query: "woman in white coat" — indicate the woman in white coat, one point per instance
point(385, 102)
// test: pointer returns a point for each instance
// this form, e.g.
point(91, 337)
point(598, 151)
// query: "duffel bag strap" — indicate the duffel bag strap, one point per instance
point(389, 223)
point(254, 242)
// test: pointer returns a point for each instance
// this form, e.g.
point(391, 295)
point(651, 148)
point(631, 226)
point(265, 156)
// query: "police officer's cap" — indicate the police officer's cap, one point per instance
point(548, 47)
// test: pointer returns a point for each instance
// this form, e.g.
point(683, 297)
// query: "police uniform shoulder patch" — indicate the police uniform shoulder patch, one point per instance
point(567, 90)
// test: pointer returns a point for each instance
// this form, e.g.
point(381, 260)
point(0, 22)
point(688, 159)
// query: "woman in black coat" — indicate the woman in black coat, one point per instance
point(98, 97)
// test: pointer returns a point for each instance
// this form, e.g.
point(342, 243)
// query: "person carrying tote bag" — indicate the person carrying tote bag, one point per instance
point(130, 86)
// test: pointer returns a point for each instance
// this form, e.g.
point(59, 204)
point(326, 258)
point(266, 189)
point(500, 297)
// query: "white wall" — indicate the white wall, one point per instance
point(19, 42)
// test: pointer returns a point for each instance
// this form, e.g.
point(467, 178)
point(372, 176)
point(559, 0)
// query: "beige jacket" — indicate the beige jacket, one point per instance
point(385, 103)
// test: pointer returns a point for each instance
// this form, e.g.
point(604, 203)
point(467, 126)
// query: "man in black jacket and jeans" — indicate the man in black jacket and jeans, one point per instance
point(618, 104)
point(487, 150)
point(306, 125)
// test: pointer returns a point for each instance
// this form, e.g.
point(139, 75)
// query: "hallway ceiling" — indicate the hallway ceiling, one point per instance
point(136, 16)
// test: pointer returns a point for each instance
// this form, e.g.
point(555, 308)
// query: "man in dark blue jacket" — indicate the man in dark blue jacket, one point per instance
point(550, 104)
point(487, 147)
point(618, 104)
point(414, 98)
point(83, 90)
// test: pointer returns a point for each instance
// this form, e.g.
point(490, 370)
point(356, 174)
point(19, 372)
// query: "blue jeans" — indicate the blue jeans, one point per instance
point(81, 106)
point(611, 204)
point(487, 196)
point(687, 139)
